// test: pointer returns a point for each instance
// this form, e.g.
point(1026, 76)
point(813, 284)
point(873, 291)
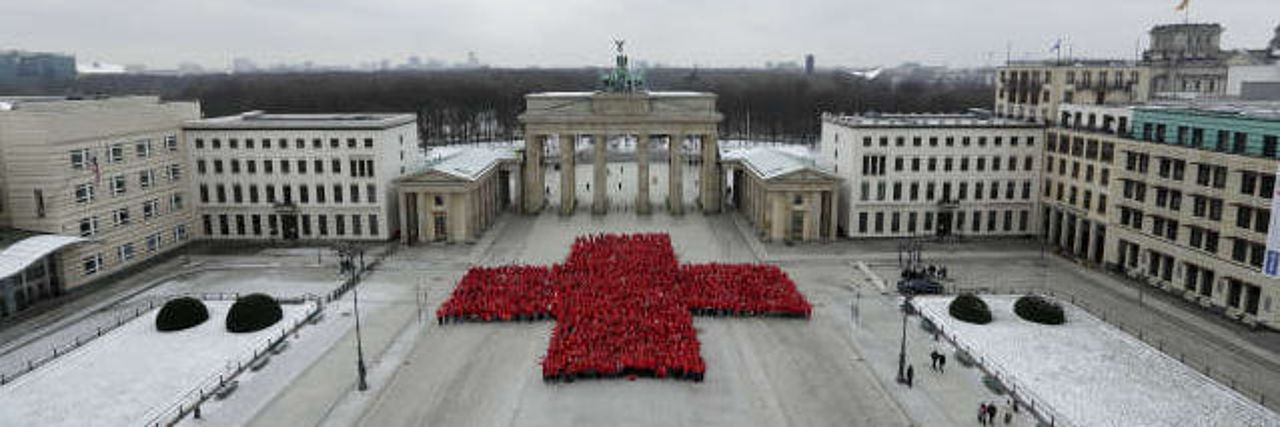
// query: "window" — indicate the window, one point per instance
point(267, 166)
point(117, 184)
point(318, 165)
point(80, 158)
point(356, 229)
point(175, 202)
point(221, 191)
point(248, 144)
point(146, 178)
point(355, 193)
point(370, 194)
point(284, 166)
point(115, 153)
point(368, 143)
point(233, 143)
point(235, 166)
point(339, 225)
point(251, 166)
point(199, 143)
point(302, 166)
point(204, 193)
point(316, 143)
point(322, 222)
point(319, 193)
point(351, 143)
point(373, 225)
point(200, 167)
point(120, 217)
point(125, 252)
point(333, 142)
point(88, 226)
point(143, 148)
point(180, 233)
point(337, 193)
point(337, 166)
point(174, 172)
point(217, 166)
point(237, 193)
point(299, 143)
point(153, 242)
point(84, 193)
point(253, 193)
point(150, 208)
point(91, 264)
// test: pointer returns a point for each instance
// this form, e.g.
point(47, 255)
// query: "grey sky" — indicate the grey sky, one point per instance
point(163, 33)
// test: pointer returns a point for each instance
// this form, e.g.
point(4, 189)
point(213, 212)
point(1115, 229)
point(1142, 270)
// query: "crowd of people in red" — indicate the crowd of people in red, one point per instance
point(623, 305)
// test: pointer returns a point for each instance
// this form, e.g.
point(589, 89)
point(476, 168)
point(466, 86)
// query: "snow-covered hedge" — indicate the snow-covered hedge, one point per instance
point(970, 308)
point(253, 312)
point(1035, 308)
point(181, 313)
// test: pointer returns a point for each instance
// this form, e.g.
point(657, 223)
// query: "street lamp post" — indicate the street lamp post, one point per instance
point(347, 253)
point(902, 350)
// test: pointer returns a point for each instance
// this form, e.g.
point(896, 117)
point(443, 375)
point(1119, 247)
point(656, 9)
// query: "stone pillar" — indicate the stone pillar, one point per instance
point(533, 176)
point(710, 182)
point(642, 173)
point(675, 194)
point(600, 171)
point(834, 213)
point(404, 217)
point(568, 162)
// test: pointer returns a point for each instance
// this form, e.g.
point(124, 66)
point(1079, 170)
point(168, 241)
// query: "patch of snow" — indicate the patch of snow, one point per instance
point(1093, 374)
point(134, 372)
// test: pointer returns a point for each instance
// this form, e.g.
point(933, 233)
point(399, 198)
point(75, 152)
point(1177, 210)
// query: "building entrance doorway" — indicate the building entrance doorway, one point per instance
point(289, 227)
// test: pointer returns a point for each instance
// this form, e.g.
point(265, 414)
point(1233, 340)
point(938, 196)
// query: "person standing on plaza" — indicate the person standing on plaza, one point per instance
point(982, 413)
point(933, 360)
point(942, 363)
point(911, 375)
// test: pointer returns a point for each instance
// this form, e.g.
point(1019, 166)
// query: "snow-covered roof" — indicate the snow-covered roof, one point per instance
point(18, 256)
point(471, 163)
point(258, 120)
point(769, 162)
point(652, 93)
point(917, 120)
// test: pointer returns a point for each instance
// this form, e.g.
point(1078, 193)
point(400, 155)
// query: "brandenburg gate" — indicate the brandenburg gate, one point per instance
point(622, 109)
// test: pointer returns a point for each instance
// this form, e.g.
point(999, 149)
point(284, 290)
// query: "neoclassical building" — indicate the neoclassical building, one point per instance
point(457, 197)
point(785, 196)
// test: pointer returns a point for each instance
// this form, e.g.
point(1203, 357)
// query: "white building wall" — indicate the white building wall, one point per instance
point(384, 147)
point(871, 193)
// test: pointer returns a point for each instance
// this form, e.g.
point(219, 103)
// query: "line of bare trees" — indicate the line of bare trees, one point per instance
point(482, 104)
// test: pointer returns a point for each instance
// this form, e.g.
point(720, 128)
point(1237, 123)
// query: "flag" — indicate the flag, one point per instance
point(1183, 5)
point(97, 172)
point(1057, 46)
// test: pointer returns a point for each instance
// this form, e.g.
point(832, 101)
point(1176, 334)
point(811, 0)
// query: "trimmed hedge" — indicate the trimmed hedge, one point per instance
point(253, 312)
point(970, 308)
point(181, 313)
point(1035, 308)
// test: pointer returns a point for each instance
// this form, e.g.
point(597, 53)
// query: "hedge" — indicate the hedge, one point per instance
point(1035, 308)
point(253, 312)
point(970, 308)
point(181, 313)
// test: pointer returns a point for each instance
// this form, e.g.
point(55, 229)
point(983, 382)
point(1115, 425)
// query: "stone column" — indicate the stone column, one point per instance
point(834, 212)
point(642, 173)
point(710, 182)
point(533, 179)
point(568, 183)
point(404, 217)
point(675, 194)
point(600, 170)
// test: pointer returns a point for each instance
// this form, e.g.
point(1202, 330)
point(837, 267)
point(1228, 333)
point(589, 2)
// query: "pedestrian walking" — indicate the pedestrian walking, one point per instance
point(982, 413)
point(942, 363)
point(911, 375)
point(991, 413)
point(933, 360)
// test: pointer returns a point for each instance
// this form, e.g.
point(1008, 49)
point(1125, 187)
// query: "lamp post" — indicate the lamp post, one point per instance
point(902, 350)
point(347, 253)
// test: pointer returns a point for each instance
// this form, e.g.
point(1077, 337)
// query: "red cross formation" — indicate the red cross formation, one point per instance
point(623, 305)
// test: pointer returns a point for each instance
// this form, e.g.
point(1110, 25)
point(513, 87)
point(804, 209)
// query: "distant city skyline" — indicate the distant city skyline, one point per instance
point(577, 33)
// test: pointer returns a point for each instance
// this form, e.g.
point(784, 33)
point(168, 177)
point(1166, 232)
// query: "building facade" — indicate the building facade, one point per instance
point(299, 176)
point(1079, 160)
point(1193, 192)
point(112, 171)
point(937, 175)
point(1187, 58)
point(1033, 90)
point(456, 198)
point(786, 197)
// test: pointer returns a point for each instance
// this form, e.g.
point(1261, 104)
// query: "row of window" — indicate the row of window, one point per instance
point(1234, 142)
point(115, 153)
point(872, 164)
point(275, 225)
point(1103, 178)
point(118, 184)
point(287, 193)
point(280, 143)
point(357, 168)
point(913, 191)
point(126, 252)
point(1207, 175)
point(1091, 149)
point(1070, 194)
point(950, 141)
point(123, 216)
point(874, 223)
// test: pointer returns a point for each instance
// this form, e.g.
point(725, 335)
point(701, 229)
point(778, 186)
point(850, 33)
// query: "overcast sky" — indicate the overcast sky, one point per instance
point(517, 33)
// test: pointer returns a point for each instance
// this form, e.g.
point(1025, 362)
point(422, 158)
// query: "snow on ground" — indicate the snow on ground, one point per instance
point(132, 373)
point(1094, 374)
